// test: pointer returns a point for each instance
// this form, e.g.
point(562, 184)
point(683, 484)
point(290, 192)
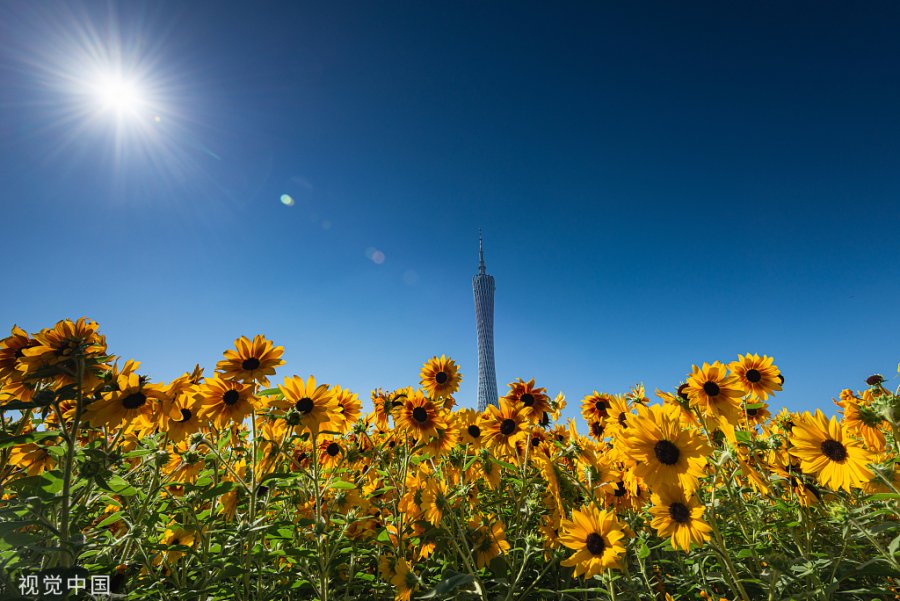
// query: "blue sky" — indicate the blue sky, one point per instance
point(659, 185)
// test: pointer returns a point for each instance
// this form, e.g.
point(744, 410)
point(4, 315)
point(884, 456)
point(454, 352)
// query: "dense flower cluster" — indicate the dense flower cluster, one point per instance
point(221, 486)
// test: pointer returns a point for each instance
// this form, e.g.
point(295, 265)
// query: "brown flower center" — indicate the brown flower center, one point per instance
point(682, 392)
point(620, 489)
point(711, 389)
point(304, 405)
point(834, 450)
point(527, 399)
point(420, 414)
point(666, 452)
point(186, 414)
point(595, 544)
point(597, 429)
point(601, 406)
point(250, 364)
point(333, 449)
point(231, 397)
point(680, 513)
point(134, 400)
point(752, 412)
point(753, 376)
point(507, 427)
point(474, 431)
point(441, 377)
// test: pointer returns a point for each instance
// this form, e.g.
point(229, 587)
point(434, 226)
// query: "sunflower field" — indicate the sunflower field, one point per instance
point(231, 486)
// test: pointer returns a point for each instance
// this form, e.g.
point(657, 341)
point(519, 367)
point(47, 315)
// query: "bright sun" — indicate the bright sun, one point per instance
point(119, 94)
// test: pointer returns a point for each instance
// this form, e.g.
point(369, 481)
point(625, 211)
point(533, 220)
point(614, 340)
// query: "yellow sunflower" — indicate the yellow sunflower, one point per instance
point(596, 536)
point(61, 343)
point(177, 537)
point(32, 458)
point(861, 419)
point(661, 451)
point(331, 451)
point(715, 393)
point(487, 542)
point(756, 375)
point(679, 516)
point(502, 428)
point(826, 450)
point(469, 430)
point(11, 350)
point(181, 408)
point(347, 410)
point(533, 402)
point(595, 407)
point(440, 376)
point(224, 402)
point(133, 402)
point(315, 404)
point(251, 361)
point(419, 416)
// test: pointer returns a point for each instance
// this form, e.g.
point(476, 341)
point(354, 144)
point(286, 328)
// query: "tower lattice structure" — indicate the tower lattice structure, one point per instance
point(483, 287)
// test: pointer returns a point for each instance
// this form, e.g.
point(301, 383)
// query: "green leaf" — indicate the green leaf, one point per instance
point(9, 441)
point(44, 485)
point(508, 466)
point(742, 436)
point(449, 584)
point(117, 485)
point(116, 517)
point(342, 485)
point(643, 551)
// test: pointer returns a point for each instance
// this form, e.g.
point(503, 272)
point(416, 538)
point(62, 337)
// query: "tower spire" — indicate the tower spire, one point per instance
point(480, 252)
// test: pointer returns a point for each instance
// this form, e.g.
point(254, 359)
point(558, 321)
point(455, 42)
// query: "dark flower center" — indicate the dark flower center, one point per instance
point(682, 393)
point(622, 417)
point(250, 364)
point(601, 406)
point(680, 513)
point(597, 429)
point(527, 399)
point(474, 431)
point(711, 389)
point(753, 376)
point(780, 377)
point(620, 489)
point(186, 414)
point(752, 412)
point(507, 427)
point(666, 452)
point(175, 541)
point(304, 405)
point(231, 397)
point(333, 449)
point(834, 450)
point(134, 400)
point(595, 544)
point(441, 377)
point(536, 441)
point(875, 380)
point(420, 415)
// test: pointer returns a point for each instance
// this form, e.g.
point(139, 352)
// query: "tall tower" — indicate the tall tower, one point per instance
point(483, 286)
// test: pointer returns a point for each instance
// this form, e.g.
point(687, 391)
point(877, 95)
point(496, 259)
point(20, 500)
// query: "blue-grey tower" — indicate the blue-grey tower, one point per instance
point(483, 286)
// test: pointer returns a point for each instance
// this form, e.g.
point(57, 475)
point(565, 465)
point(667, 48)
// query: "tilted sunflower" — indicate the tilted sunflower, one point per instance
point(181, 407)
point(134, 402)
point(756, 375)
point(314, 403)
point(679, 516)
point(11, 350)
point(251, 361)
point(861, 419)
point(595, 407)
point(661, 451)
point(61, 344)
point(331, 452)
point(715, 393)
point(225, 402)
point(596, 536)
point(440, 376)
point(532, 401)
point(502, 428)
point(826, 450)
point(347, 410)
point(469, 430)
point(419, 416)
point(487, 542)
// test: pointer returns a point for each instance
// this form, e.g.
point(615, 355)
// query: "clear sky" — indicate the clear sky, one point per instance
point(660, 184)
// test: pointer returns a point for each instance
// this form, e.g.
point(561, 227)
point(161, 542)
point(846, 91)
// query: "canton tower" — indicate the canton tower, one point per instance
point(483, 286)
